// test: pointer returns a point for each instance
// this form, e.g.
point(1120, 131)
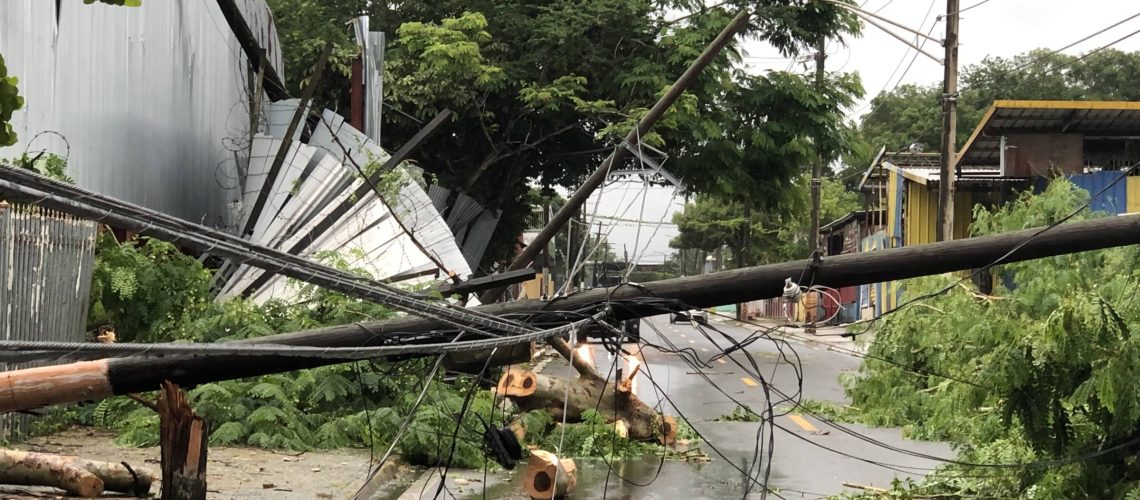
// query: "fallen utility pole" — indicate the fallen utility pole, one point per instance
point(36, 387)
point(620, 153)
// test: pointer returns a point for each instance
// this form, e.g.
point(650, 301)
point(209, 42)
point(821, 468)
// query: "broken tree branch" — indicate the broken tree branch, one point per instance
point(570, 398)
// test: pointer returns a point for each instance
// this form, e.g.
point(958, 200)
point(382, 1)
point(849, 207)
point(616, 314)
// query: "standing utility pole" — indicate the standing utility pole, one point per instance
point(817, 169)
point(949, 126)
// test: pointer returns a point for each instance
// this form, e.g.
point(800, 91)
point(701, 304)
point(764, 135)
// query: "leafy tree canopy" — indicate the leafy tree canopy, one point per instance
point(543, 89)
point(10, 101)
point(711, 223)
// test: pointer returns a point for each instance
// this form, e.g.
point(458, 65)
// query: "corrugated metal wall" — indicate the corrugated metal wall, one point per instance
point(46, 260)
point(1114, 201)
point(1132, 190)
point(152, 99)
point(894, 209)
point(882, 297)
point(921, 214)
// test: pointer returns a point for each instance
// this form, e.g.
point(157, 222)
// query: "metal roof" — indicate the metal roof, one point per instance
point(923, 168)
point(1094, 118)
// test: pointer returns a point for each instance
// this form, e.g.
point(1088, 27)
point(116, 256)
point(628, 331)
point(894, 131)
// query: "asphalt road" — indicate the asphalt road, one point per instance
point(802, 466)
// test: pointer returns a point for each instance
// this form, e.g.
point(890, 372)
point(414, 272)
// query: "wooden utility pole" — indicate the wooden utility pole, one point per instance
point(32, 388)
point(620, 153)
point(816, 173)
point(949, 126)
point(183, 436)
point(817, 168)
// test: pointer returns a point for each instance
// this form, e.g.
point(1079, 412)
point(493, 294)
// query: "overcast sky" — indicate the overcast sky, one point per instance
point(994, 28)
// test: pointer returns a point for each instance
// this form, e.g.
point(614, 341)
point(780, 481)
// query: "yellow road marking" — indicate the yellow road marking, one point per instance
point(748, 382)
point(721, 361)
point(803, 423)
point(692, 341)
point(703, 349)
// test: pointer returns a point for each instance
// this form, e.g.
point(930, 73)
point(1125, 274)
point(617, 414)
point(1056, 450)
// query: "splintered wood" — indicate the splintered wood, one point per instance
point(548, 477)
point(183, 440)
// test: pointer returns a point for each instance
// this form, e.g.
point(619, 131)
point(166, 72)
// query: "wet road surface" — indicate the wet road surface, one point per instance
point(808, 457)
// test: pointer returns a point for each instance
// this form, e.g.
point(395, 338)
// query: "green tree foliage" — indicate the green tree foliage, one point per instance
point(761, 238)
point(10, 101)
point(1043, 371)
point(912, 113)
point(150, 292)
point(541, 89)
point(146, 289)
point(46, 164)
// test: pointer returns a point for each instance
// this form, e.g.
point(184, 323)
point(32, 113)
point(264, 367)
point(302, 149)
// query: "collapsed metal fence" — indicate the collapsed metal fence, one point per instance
point(46, 261)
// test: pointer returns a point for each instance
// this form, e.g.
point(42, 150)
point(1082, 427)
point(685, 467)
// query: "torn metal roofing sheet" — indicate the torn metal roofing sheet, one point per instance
point(395, 235)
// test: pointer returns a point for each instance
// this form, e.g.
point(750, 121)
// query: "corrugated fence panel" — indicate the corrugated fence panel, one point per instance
point(1132, 190)
point(921, 214)
point(963, 213)
point(1114, 200)
point(151, 99)
point(46, 261)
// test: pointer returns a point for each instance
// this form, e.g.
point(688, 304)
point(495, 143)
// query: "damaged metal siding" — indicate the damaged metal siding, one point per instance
point(46, 261)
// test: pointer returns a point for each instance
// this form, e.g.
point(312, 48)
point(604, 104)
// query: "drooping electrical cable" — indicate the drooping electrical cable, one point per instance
point(22, 184)
point(1123, 174)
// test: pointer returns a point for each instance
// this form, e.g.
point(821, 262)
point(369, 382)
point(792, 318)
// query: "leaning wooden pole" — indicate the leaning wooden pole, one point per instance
point(570, 208)
point(90, 380)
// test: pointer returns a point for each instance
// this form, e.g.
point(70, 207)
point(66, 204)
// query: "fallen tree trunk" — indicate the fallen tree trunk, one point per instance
point(119, 477)
point(549, 477)
point(33, 388)
point(568, 399)
point(41, 469)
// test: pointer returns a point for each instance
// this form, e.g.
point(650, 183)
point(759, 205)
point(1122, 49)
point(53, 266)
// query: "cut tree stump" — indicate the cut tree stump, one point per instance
point(548, 477)
point(536, 391)
point(183, 440)
point(40, 469)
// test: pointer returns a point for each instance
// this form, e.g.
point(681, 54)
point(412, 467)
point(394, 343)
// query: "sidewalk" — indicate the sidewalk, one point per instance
point(827, 337)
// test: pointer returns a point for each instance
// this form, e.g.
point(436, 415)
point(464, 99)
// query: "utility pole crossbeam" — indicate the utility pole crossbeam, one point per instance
point(947, 173)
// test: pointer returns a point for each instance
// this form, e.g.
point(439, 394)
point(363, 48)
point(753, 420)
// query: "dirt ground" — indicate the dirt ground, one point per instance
point(232, 472)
